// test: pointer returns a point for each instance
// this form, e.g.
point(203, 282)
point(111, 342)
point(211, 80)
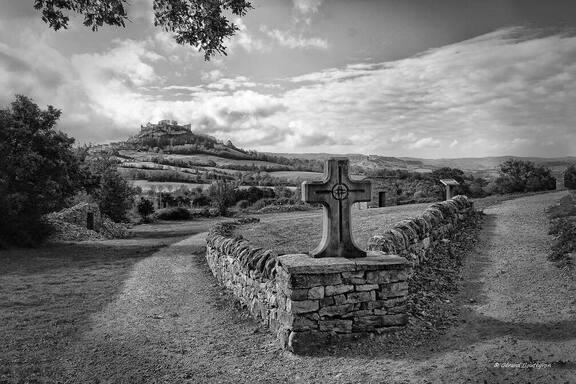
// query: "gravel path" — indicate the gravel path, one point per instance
point(172, 323)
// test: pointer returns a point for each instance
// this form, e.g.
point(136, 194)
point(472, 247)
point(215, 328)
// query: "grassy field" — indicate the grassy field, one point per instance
point(301, 232)
point(47, 295)
point(306, 176)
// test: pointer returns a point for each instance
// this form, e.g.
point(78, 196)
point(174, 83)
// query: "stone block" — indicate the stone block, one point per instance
point(332, 290)
point(366, 287)
point(359, 297)
point(354, 278)
point(387, 294)
point(377, 260)
point(327, 301)
point(303, 306)
point(335, 310)
point(316, 293)
point(339, 299)
point(309, 281)
point(302, 323)
point(340, 326)
point(304, 264)
point(378, 277)
point(393, 302)
point(366, 323)
point(298, 294)
point(360, 313)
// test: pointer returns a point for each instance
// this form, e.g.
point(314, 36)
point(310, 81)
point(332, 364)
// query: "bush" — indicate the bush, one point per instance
point(564, 232)
point(145, 208)
point(262, 203)
point(115, 196)
point(174, 213)
point(242, 204)
point(524, 176)
point(570, 177)
point(201, 201)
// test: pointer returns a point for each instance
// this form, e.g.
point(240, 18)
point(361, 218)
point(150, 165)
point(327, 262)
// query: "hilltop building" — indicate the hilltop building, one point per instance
point(165, 127)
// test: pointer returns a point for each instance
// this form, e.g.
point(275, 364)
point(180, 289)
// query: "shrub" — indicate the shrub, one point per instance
point(174, 213)
point(262, 203)
point(570, 177)
point(201, 201)
point(115, 196)
point(564, 232)
point(524, 176)
point(145, 208)
point(222, 196)
point(242, 204)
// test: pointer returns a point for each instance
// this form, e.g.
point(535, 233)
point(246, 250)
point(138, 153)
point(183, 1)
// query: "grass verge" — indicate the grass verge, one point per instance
point(46, 298)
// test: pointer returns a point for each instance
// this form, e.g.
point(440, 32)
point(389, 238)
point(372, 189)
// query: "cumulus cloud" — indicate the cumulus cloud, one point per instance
point(508, 92)
point(304, 10)
point(481, 94)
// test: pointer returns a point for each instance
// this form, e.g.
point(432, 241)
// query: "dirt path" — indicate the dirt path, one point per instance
point(173, 323)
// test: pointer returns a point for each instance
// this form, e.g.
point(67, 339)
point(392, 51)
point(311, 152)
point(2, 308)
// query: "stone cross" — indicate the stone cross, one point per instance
point(336, 193)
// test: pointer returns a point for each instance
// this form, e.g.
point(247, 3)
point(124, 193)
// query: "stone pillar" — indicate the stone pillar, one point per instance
point(323, 301)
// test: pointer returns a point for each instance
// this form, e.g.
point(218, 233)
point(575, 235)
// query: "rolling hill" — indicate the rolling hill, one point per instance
point(170, 154)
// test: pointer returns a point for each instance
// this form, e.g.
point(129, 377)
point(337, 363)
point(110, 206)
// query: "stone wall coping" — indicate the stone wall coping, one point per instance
point(374, 260)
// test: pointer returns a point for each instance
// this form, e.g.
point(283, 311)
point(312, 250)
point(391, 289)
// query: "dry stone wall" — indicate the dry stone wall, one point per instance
point(312, 302)
point(414, 238)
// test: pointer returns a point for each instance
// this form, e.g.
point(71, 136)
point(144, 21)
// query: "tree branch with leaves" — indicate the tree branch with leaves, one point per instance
point(203, 24)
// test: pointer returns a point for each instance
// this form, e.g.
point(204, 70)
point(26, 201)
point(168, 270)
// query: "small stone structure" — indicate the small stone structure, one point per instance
point(311, 302)
point(448, 184)
point(86, 215)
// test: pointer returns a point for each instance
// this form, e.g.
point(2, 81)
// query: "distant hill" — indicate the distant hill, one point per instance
point(170, 153)
point(366, 162)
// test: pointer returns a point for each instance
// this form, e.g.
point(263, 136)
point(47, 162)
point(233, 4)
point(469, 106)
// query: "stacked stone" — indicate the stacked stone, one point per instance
point(321, 301)
point(413, 238)
point(245, 270)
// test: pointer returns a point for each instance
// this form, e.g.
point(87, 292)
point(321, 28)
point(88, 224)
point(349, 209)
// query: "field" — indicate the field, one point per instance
point(301, 232)
point(305, 176)
point(160, 186)
point(199, 159)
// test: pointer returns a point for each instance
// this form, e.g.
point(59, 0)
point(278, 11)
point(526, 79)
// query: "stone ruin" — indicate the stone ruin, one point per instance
point(339, 292)
point(84, 221)
point(86, 215)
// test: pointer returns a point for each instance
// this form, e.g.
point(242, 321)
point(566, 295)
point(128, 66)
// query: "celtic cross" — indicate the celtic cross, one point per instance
point(336, 193)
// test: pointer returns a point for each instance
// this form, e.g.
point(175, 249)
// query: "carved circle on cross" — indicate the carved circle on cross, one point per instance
point(340, 191)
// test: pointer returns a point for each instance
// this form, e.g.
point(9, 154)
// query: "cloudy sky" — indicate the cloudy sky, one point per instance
point(444, 78)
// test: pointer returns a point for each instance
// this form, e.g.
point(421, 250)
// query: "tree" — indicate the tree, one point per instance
point(222, 196)
point(199, 23)
point(524, 176)
point(38, 171)
point(145, 209)
point(448, 173)
point(115, 195)
point(570, 177)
